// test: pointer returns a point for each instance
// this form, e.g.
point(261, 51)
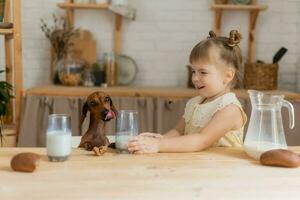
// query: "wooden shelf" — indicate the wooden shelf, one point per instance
point(239, 7)
point(6, 31)
point(70, 7)
point(125, 91)
point(118, 91)
point(82, 6)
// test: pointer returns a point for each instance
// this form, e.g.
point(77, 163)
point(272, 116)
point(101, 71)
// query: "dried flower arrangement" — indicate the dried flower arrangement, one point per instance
point(60, 35)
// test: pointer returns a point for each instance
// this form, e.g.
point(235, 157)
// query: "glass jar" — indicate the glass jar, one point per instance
point(88, 78)
point(111, 69)
point(70, 71)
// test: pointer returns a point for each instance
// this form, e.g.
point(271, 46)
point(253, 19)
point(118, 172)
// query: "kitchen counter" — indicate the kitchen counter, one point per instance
point(217, 173)
point(119, 91)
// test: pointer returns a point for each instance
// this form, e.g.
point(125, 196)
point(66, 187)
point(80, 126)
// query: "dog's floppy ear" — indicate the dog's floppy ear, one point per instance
point(83, 113)
point(85, 109)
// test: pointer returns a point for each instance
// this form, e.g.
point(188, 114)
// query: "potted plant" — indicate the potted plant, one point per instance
point(60, 36)
point(99, 74)
point(5, 97)
point(2, 4)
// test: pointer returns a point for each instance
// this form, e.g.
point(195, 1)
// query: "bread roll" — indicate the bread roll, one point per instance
point(280, 158)
point(25, 162)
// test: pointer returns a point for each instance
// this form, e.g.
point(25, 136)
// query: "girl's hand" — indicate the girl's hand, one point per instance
point(154, 135)
point(141, 145)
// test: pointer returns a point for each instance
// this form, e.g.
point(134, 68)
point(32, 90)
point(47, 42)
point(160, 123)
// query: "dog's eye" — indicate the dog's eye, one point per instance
point(107, 99)
point(92, 103)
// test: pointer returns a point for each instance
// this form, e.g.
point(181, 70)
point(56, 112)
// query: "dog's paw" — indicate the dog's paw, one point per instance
point(88, 146)
point(99, 151)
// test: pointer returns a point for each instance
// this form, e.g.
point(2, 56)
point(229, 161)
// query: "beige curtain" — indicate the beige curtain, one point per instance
point(34, 117)
point(155, 115)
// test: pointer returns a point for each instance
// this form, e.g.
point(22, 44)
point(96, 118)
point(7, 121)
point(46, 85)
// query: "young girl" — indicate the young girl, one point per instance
point(215, 117)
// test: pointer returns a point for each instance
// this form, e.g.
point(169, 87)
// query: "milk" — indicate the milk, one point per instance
point(59, 144)
point(255, 149)
point(122, 140)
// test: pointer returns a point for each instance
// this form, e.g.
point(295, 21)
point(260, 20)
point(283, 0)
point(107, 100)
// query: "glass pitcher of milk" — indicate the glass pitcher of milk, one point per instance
point(59, 137)
point(127, 127)
point(265, 130)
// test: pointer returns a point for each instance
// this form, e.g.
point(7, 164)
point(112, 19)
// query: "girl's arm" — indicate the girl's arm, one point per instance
point(229, 118)
point(225, 120)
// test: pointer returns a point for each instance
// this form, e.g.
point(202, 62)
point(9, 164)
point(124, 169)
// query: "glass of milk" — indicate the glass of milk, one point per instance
point(59, 137)
point(127, 127)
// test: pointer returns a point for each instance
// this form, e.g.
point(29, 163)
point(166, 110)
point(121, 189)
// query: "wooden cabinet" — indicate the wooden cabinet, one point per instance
point(9, 138)
point(13, 54)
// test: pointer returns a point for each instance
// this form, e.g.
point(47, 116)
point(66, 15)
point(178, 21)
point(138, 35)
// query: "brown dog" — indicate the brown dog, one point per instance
point(101, 110)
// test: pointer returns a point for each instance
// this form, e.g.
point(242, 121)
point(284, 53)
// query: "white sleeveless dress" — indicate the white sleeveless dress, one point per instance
point(197, 115)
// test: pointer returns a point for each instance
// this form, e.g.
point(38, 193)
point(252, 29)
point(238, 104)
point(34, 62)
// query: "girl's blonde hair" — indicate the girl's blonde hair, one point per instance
point(229, 51)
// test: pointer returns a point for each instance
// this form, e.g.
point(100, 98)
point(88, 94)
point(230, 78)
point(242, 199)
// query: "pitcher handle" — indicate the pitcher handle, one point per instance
point(290, 107)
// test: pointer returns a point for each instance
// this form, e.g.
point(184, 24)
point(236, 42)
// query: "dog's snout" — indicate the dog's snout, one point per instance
point(107, 114)
point(104, 112)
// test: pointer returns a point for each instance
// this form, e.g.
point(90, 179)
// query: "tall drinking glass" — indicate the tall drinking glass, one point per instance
point(127, 127)
point(59, 137)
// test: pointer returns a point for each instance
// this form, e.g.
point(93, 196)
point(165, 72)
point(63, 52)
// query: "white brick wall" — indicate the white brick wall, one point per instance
point(162, 36)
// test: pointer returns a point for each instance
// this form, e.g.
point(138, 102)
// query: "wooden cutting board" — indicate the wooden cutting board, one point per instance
point(85, 47)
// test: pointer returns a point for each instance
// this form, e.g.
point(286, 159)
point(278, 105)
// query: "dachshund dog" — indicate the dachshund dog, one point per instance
point(101, 110)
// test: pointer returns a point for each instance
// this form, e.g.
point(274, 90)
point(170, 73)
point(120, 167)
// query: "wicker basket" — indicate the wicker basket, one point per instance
point(261, 76)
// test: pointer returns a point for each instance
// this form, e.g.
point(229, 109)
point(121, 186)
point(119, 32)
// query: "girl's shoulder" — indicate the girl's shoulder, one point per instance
point(231, 99)
point(226, 99)
point(221, 101)
point(200, 114)
point(216, 104)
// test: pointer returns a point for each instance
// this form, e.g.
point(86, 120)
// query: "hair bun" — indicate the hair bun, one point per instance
point(212, 34)
point(234, 38)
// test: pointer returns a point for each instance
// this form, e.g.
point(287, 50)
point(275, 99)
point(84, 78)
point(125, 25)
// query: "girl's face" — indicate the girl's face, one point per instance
point(209, 79)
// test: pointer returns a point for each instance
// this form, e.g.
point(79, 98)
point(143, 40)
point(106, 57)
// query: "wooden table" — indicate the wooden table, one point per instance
point(218, 173)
